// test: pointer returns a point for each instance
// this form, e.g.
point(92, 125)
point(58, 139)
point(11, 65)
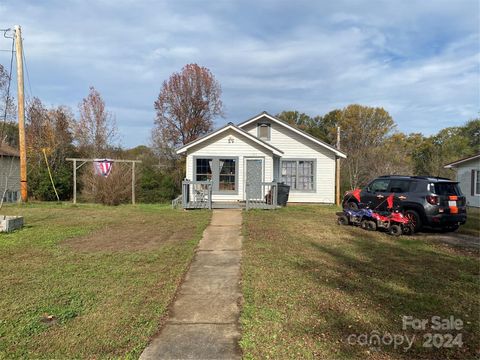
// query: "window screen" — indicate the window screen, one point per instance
point(299, 174)
point(264, 131)
point(227, 174)
point(305, 175)
point(289, 173)
point(477, 182)
point(204, 169)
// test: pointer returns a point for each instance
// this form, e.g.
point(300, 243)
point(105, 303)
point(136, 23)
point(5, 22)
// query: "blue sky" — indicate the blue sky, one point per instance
point(417, 59)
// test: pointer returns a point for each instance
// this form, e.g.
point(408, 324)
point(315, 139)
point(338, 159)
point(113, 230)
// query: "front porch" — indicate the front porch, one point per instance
point(199, 195)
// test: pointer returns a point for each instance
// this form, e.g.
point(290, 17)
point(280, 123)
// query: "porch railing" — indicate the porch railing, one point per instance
point(177, 202)
point(196, 194)
point(264, 197)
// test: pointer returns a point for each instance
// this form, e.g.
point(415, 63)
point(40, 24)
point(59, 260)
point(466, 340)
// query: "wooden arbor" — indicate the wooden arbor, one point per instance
point(84, 161)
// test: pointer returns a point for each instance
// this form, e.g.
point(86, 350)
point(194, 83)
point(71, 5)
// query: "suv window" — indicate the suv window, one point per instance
point(380, 185)
point(447, 189)
point(400, 186)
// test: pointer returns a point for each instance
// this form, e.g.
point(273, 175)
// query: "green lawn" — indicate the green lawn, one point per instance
point(472, 226)
point(309, 284)
point(91, 281)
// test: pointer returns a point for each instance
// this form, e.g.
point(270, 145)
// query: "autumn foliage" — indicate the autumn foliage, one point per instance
point(186, 106)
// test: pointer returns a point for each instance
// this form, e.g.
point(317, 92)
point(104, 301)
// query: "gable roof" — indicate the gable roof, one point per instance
point(295, 130)
point(457, 162)
point(7, 150)
point(230, 126)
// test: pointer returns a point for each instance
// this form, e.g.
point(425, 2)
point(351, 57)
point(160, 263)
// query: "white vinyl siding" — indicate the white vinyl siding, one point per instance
point(295, 146)
point(231, 144)
point(464, 177)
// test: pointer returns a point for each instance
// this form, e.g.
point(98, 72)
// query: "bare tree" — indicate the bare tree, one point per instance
point(95, 130)
point(364, 131)
point(7, 106)
point(186, 106)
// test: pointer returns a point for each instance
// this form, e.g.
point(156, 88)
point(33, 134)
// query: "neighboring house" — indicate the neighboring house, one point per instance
point(240, 161)
point(468, 176)
point(9, 173)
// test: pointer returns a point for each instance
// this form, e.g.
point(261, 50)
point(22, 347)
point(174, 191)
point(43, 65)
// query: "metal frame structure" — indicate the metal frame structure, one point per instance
point(84, 161)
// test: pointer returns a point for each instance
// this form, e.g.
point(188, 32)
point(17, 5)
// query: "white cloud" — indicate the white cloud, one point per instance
point(417, 59)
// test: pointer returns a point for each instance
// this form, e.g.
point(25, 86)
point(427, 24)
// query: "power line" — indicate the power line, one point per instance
point(5, 31)
point(28, 75)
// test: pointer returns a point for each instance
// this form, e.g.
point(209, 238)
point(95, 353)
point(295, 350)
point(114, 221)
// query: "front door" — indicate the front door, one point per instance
point(253, 179)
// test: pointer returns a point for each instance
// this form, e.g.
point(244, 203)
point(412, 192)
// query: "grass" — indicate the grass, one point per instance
point(472, 226)
point(308, 284)
point(91, 281)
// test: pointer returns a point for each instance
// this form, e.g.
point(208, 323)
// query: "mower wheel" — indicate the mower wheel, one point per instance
point(408, 229)
point(371, 225)
point(342, 220)
point(363, 224)
point(395, 230)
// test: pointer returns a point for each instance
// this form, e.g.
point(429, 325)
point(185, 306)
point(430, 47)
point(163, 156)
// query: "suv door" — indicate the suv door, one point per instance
point(376, 193)
point(400, 188)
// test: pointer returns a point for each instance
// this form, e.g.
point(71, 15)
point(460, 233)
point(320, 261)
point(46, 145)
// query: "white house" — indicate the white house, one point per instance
point(242, 160)
point(468, 176)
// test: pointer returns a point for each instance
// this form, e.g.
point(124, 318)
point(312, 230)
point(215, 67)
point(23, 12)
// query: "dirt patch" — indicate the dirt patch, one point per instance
point(131, 236)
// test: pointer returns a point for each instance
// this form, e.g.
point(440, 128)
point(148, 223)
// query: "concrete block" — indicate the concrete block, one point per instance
point(10, 223)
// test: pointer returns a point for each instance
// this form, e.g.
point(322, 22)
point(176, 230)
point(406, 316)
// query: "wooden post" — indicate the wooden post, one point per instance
point(133, 183)
point(21, 114)
point(337, 171)
point(74, 181)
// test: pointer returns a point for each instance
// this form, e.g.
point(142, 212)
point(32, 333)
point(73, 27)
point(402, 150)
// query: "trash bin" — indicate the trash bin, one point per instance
point(282, 194)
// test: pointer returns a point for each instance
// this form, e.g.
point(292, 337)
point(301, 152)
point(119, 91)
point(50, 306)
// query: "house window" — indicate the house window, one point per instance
point(477, 182)
point(299, 174)
point(305, 175)
point(203, 169)
point(221, 171)
point(227, 173)
point(263, 131)
point(289, 173)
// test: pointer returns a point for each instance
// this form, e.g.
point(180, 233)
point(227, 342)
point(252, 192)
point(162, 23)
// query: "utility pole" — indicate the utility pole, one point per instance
point(21, 113)
point(337, 170)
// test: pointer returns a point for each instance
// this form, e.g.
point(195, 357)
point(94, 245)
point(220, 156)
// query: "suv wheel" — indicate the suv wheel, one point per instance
point(415, 219)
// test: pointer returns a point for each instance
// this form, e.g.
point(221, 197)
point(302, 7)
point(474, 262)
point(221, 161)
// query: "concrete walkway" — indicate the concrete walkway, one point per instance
point(203, 321)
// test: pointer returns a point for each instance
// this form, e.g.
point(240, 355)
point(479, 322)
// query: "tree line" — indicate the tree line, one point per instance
point(374, 146)
point(186, 107)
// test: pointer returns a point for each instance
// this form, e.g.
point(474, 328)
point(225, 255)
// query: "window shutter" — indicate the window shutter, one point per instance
point(472, 183)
